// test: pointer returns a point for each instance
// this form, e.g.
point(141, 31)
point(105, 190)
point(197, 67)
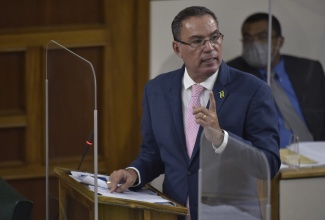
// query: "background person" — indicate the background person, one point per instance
point(302, 80)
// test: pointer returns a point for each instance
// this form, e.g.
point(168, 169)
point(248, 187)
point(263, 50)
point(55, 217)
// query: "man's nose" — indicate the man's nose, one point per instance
point(207, 45)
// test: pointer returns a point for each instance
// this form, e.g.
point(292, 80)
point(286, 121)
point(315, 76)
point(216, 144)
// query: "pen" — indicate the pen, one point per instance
point(102, 178)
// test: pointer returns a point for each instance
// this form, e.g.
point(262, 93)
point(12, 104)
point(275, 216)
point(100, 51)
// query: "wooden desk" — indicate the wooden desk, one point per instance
point(76, 201)
point(299, 194)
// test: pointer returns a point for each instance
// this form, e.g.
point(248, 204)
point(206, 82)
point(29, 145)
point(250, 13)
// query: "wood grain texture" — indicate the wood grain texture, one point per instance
point(120, 32)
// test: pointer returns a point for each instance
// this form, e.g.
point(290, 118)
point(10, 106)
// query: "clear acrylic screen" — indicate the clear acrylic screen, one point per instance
point(71, 120)
point(234, 184)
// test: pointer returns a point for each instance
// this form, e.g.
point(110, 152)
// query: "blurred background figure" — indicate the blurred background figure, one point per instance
point(298, 84)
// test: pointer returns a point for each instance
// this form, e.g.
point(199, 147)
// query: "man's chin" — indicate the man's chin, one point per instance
point(209, 70)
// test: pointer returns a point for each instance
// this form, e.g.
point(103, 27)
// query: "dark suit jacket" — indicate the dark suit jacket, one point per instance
point(246, 111)
point(308, 81)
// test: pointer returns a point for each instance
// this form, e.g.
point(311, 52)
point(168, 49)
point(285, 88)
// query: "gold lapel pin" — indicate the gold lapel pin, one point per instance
point(222, 94)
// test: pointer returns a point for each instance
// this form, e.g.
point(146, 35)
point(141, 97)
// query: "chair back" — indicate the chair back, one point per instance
point(13, 206)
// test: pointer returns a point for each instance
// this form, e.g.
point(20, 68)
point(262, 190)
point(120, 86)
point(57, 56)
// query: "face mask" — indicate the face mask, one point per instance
point(255, 54)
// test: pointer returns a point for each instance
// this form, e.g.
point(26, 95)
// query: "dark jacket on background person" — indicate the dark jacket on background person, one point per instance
point(308, 81)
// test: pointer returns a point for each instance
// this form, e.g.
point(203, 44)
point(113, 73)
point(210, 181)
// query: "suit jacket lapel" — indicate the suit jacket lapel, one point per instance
point(175, 98)
point(219, 90)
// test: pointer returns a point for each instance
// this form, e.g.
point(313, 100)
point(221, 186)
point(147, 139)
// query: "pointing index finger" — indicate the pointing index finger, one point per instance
point(212, 106)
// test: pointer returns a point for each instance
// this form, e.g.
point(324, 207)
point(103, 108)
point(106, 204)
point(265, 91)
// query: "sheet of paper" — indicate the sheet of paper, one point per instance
point(285, 154)
point(89, 178)
point(143, 195)
point(314, 150)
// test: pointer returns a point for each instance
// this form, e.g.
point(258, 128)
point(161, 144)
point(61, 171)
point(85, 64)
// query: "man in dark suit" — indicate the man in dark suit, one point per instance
point(302, 79)
point(238, 106)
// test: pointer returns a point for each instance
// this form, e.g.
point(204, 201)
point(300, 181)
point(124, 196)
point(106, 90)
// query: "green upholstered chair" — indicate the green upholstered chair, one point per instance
point(13, 206)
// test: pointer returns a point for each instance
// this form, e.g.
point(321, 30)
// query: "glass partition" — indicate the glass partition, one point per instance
point(299, 21)
point(234, 184)
point(295, 65)
point(71, 122)
point(301, 52)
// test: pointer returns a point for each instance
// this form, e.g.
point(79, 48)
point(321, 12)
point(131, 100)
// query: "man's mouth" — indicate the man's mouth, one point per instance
point(210, 60)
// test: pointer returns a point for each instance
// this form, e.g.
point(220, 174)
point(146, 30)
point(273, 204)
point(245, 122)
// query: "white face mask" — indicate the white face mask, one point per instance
point(255, 54)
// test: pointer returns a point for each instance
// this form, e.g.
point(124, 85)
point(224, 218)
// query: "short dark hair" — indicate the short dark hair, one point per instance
point(193, 11)
point(261, 16)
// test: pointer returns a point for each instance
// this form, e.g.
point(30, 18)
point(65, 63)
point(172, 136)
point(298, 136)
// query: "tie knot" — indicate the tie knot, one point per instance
point(197, 90)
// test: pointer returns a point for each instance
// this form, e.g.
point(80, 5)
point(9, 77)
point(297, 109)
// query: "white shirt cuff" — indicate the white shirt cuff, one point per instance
point(139, 178)
point(221, 148)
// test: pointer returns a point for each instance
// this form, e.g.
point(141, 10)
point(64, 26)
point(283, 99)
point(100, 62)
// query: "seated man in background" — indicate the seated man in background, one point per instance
point(299, 83)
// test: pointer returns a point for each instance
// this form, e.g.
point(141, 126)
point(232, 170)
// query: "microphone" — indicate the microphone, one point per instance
point(89, 142)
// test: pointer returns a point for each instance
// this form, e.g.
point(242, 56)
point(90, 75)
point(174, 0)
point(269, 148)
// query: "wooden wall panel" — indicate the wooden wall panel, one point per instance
point(128, 55)
point(12, 81)
point(35, 105)
point(45, 13)
point(11, 153)
point(114, 37)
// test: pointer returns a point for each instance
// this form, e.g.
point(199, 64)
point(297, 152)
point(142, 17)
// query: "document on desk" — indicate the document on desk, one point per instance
point(89, 178)
point(144, 195)
point(314, 151)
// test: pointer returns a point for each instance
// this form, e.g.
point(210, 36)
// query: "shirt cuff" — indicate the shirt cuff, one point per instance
point(137, 183)
point(221, 148)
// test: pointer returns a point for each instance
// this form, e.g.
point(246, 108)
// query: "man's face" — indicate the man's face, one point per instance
point(258, 32)
point(201, 62)
point(255, 48)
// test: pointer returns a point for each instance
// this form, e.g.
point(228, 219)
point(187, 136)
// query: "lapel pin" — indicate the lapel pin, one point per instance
point(222, 94)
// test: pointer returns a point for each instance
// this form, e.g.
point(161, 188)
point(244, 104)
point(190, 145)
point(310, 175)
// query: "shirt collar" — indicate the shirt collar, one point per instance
point(207, 84)
point(278, 69)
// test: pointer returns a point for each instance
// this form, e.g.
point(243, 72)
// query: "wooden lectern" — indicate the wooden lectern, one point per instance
point(76, 201)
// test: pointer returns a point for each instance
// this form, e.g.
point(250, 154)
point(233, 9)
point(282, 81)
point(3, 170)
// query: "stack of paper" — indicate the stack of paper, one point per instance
point(89, 178)
point(144, 195)
point(311, 154)
point(302, 159)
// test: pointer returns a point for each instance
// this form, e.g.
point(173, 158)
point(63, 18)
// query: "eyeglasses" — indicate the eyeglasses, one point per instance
point(261, 37)
point(214, 39)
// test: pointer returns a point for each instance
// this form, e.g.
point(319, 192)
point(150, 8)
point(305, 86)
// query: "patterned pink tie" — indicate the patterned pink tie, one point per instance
point(191, 128)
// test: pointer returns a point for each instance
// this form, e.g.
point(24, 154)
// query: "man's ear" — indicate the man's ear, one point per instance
point(281, 42)
point(177, 49)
